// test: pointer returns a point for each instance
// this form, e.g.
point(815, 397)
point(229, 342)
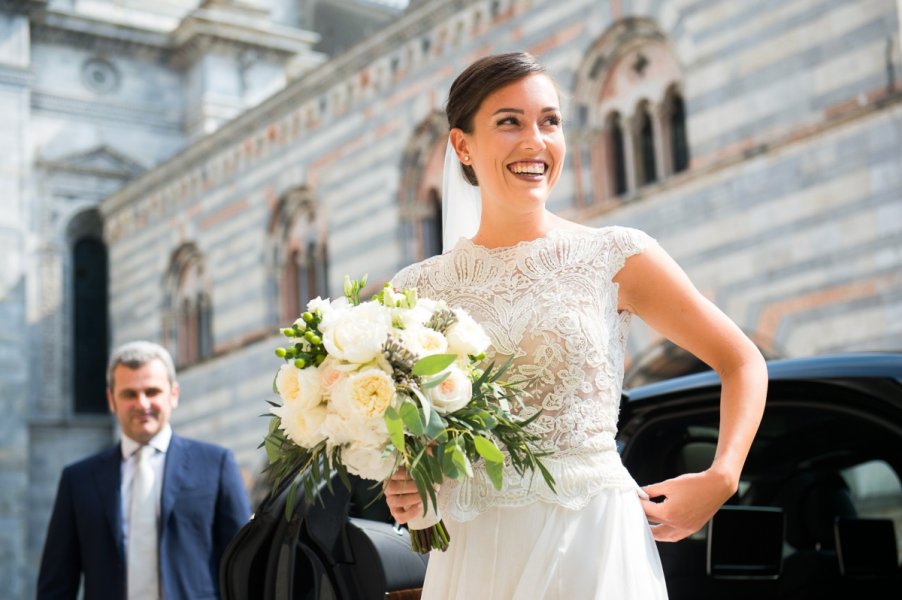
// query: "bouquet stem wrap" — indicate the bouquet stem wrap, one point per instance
point(428, 531)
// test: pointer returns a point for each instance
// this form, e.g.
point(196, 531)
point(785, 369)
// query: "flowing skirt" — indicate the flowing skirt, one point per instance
point(545, 551)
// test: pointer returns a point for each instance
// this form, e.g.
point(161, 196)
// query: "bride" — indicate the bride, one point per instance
point(557, 297)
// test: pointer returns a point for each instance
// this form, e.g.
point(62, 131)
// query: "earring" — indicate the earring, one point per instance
point(466, 158)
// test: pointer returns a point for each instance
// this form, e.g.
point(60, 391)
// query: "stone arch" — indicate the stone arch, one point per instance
point(299, 255)
point(628, 78)
point(188, 306)
point(87, 279)
point(420, 200)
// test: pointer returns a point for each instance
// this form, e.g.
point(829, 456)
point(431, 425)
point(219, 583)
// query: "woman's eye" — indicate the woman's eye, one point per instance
point(555, 121)
point(508, 121)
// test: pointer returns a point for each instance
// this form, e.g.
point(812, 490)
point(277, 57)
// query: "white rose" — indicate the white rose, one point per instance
point(369, 462)
point(302, 425)
point(340, 430)
point(424, 341)
point(416, 316)
point(467, 336)
point(453, 393)
point(299, 386)
point(356, 334)
point(365, 394)
point(319, 304)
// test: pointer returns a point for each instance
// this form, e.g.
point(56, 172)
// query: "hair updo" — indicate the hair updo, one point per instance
point(477, 82)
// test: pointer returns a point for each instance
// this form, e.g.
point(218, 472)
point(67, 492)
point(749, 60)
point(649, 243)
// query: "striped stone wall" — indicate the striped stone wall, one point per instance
point(788, 217)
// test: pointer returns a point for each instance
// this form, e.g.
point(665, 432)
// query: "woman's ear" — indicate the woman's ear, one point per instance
point(461, 145)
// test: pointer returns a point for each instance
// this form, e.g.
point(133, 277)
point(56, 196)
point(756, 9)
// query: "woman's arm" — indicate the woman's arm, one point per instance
point(655, 288)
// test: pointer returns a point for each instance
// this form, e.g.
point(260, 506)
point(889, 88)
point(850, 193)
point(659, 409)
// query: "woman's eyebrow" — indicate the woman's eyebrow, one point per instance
point(520, 111)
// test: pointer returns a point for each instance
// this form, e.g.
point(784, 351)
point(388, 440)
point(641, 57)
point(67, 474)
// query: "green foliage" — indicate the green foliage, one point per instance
point(434, 364)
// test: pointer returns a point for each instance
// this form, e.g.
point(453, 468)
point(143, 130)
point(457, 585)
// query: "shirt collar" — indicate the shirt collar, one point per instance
point(160, 442)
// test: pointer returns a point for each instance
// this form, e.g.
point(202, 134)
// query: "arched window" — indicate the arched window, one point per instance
point(627, 85)
point(646, 157)
point(616, 155)
point(420, 191)
point(675, 126)
point(300, 252)
point(89, 278)
point(188, 310)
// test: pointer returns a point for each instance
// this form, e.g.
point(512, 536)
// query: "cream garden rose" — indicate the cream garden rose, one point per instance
point(356, 334)
point(365, 394)
point(355, 430)
point(424, 341)
point(302, 424)
point(299, 387)
point(453, 393)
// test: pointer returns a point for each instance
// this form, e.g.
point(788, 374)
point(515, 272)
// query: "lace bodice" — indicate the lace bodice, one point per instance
point(550, 304)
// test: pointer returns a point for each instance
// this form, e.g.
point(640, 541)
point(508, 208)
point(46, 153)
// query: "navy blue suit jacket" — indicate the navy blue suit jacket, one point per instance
point(203, 504)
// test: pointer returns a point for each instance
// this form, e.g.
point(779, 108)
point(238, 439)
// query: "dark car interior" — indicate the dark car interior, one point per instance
point(797, 528)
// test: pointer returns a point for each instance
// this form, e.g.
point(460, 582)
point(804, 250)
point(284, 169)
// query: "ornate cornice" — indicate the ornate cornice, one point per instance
point(103, 111)
point(69, 28)
point(212, 25)
point(246, 139)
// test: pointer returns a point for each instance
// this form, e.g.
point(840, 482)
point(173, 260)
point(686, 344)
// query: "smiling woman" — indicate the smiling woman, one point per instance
point(556, 298)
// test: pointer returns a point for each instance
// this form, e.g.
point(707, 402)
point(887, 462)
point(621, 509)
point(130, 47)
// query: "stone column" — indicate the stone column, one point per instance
point(629, 153)
point(15, 103)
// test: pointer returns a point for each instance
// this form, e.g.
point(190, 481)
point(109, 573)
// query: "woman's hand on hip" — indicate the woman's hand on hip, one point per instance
point(689, 502)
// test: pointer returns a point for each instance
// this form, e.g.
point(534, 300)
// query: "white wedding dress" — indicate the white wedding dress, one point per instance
point(550, 304)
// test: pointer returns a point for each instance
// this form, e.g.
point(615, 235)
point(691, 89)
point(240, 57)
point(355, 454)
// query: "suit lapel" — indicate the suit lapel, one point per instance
point(177, 461)
point(108, 479)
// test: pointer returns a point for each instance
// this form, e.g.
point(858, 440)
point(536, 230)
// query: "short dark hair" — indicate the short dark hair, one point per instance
point(478, 81)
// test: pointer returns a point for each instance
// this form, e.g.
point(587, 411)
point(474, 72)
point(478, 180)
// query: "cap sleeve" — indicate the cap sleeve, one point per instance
point(625, 242)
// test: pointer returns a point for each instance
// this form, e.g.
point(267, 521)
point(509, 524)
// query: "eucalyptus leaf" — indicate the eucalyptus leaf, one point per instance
point(395, 427)
point(435, 426)
point(487, 449)
point(431, 365)
point(272, 450)
point(495, 472)
point(448, 465)
point(410, 415)
point(435, 381)
point(461, 461)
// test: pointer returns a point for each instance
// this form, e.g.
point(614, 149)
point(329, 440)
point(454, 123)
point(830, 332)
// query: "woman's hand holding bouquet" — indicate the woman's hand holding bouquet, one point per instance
point(372, 387)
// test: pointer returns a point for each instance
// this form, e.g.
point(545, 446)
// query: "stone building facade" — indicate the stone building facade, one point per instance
point(759, 143)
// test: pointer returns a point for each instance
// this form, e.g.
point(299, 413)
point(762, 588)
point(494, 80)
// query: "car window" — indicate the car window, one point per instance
point(877, 494)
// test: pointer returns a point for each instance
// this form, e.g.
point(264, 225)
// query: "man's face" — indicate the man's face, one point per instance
point(142, 399)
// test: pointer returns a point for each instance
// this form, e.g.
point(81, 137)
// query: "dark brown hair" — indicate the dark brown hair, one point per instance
point(477, 82)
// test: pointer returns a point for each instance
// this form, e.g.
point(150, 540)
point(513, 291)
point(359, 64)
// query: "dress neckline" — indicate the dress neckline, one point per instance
point(549, 236)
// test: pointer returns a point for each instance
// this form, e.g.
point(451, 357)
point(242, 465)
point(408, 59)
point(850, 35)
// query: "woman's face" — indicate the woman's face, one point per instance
point(517, 144)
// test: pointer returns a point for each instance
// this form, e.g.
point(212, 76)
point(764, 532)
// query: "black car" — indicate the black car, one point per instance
point(819, 508)
point(817, 515)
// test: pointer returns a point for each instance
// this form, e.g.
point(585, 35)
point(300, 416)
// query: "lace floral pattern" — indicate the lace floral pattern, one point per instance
point(550, 304)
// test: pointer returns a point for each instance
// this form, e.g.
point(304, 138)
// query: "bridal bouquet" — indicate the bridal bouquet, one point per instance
point(370, 387)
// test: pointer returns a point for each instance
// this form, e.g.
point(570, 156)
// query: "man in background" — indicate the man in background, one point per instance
point(150, 517)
